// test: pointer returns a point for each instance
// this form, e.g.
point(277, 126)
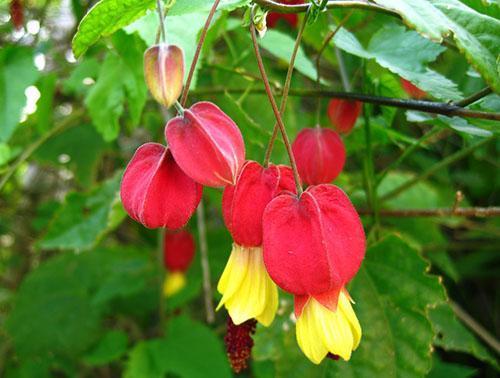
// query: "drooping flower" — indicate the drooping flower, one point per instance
point(178, 253)
point(206, 144)
point(155, 191)
point(343, 114)
point(164, 72)
point(246, 288)
point(412, 89)
point(320, 155)
point(313, 246)
point(291, 18)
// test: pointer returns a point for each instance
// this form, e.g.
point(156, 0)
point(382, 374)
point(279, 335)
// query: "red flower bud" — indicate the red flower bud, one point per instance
point(206, 144)
point(17, 13)
point(343, 114)
point(291, 18)
point(243, 204)
point(178, 250)
point(319, 154)
point(412, 90)
point(155, 191)
point(164, 72)
point(313, 245)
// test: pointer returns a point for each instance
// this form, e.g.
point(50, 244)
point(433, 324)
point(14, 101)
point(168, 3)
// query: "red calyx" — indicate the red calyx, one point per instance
point(206, 144)
point(243, 204)
point(313, 245)
point(155, 191)
point(412, 90)
point(239, 343)
point(320, 155)
point(178, 250)
point(343, 114)
point(291, 18)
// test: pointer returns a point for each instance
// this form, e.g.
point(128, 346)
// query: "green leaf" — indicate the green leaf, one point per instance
point(43, 117)
point(111, 347)
point(106, 17)
point(442, 369)
point(190, 349)
point(281, 46)
point(409, 60)
point(451, 335)
point(121, 77)
point(84, 219)
point(181, 7)
point(5, 153)
point(477, 35)
point(17, 72)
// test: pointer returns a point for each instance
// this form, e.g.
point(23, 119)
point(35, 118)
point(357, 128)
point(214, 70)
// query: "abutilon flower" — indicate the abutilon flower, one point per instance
point(206, 144)
point(155, 191)
point(247, 290)
point(319, 154)
point(412, 89)
point(178, 253)
point(164, 72)
point(343, 114)
point(313, 246)
point(291, 18)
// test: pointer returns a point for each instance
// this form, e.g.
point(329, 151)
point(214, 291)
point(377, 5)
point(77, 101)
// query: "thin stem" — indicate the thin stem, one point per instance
point(474, 97)
point(436, 167)
point(66, 122)
point(301, 8)
point(275, 108)
point(286, 87)
point(447, 109)
point(342, 70)
point(198, 51)
point(407, 152)
point(162, 21)
point(179, 108)
point(474, 326)
point(205, 266)
point(478, 212)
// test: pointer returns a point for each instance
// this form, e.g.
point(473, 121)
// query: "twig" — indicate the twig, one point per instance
point(161, 18)
point(286, 87)
point(205, 266)
point(434, 168)
point(447, 109)
point(477, 212)
point(474, 97)
point(269, 93)
point(474, 326)
point(66, 122)
point(198, 51)
point(300, 8)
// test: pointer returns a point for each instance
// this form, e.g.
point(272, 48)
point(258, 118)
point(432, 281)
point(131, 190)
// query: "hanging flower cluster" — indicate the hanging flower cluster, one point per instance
point(309, 243)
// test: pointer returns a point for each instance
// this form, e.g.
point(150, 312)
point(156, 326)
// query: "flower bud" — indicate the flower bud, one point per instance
point(319, 154)
point(178, 250)
point(291, 18)
point(243, 204)
point(164, 72)
point(412, 90)
point(207, 144)
point(313, 245)
point(155, 191)
point(343, 114)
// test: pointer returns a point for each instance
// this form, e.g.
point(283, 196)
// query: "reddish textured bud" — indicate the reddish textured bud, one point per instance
point(412, 90)
point(291, 18)
point(319, 154)
point(206, 144)
point(178, 250)
point(343, 114)
point(313, 245)
point(243, 204)
point(164, 72)
point(155, 191)
point(17, 13)
point(239, 343)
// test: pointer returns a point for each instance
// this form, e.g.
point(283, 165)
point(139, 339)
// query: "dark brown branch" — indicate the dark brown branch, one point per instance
point(478, 212)
point(474, 97)
point(443, 108)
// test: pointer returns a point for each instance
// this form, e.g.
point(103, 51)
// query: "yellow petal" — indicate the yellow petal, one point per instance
point(320, 330)
point(173, 283)
point(247, 290)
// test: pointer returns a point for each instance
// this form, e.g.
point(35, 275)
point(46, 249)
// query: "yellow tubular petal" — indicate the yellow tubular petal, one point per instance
point(173, 283)
point(246, 288)
point(320, 330)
